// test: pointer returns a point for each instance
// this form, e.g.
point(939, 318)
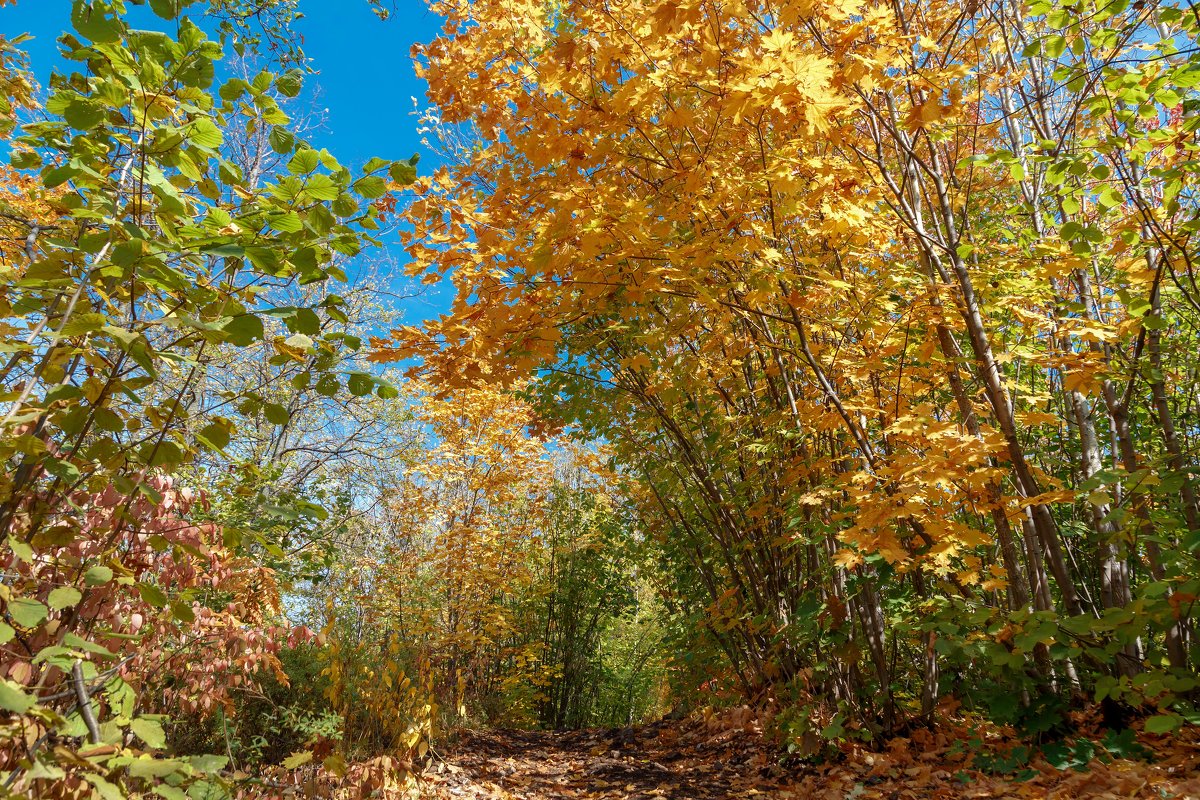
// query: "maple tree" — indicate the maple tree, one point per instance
point(493, 565)
point(887, 306)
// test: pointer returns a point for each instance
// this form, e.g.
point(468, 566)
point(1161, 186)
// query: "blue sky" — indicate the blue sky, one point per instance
point(365, 80)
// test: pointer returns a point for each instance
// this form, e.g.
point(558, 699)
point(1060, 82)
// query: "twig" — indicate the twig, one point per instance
point(85, 701)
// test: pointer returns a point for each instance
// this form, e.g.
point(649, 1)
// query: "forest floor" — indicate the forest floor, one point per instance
point(727, 758)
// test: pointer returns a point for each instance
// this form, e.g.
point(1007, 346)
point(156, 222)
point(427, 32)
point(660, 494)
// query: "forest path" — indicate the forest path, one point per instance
point(651, 762)
point(727, 758)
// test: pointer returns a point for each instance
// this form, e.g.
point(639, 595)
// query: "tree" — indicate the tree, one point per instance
point(137, 254)
point(868, 296)
point(486, 579)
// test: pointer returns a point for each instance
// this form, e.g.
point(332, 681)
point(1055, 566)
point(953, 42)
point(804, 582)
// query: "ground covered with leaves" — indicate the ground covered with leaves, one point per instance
point(728, 757)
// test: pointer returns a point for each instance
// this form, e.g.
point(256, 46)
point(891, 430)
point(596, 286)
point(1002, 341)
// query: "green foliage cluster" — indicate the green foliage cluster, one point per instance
point(596, 620)
point(144, 255)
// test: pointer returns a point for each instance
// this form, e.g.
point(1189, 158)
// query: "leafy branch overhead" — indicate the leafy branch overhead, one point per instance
point(889, 310)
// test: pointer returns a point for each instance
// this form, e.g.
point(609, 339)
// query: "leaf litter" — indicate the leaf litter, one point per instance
point(728, 756)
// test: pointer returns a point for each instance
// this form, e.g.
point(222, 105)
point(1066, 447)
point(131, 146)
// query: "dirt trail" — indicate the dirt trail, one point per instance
point(727, 758)
point(655, 761)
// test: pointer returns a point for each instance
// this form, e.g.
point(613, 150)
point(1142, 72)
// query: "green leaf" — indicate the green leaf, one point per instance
point(97, 575)
point(152, 594)
point(1139, 307)
point(289, 83)
point(164, 453)
point(167, 9)
point(304, 162)
point(266, 259)
point(322, 187)
point(108, 420)
point(61, 469)
point(7, 632)
point(56, 655)
point(328, 385)
point(182, 611)
point(129, 252)
point(106, 790)
point(243, 329)
point(233, 89)
point(13, 699)
point(287, 223)
point(63, 391)
point(371, 187)
point(21, 550)
point(56, 176)
point(147, 767)
point(282, 140)
point(1168, 97)
point(79, 643)
point(215, 435)
point(306, 321)
point(80, 324)
point(1155, 322)
point(26, 159)
point(225, 250)
point(64, 597)
point(82, 115)
point(169, 792)
point(27, 612)
point(95, 23)
point(297, 759)
point(208, 764)
point(203, 132)
point(150, 732)
point(360, 384)
point(276, 414)
point(1110, 198)
point(1163, 723)
point(402, 173)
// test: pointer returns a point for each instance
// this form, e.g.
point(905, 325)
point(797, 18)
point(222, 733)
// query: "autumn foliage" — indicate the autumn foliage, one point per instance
point(890, 310)
point(815, 409)
point(491, 583)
